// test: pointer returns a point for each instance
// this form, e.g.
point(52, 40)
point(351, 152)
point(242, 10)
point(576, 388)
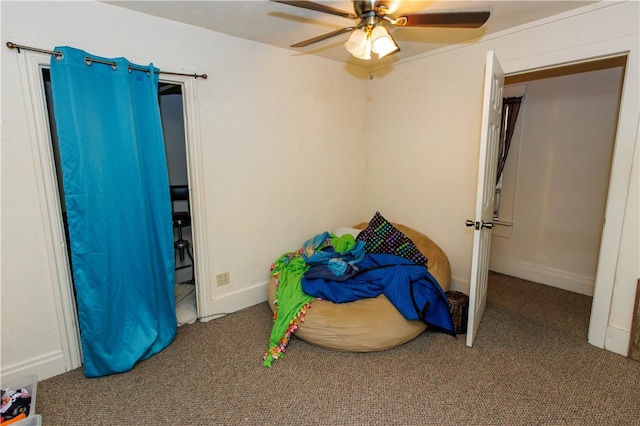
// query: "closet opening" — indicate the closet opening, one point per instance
point(557, 176)
point(170, 100)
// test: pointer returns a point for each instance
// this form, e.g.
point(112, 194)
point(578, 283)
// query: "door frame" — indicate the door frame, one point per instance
point(31, 64)
point(196, 187)
point(601, 334)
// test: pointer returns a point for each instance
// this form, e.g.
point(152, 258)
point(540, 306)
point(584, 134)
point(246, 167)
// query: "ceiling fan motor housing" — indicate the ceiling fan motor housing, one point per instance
point(370, 12)
point(363, 6)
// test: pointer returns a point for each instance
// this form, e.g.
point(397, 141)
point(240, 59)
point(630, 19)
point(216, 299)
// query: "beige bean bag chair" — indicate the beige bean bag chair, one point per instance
point(372, 324)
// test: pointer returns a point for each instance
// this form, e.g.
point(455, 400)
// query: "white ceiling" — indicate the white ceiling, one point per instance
point(282, 25)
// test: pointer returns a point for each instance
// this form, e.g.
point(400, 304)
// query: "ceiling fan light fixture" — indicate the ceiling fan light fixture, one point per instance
point(369, 33)
point(357, 42)
point(366, 52)
point(381, 41)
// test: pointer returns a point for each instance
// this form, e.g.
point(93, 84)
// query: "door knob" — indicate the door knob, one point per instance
point(478, 225)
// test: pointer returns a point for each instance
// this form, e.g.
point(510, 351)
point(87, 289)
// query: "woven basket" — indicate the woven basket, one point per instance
point(459, 308)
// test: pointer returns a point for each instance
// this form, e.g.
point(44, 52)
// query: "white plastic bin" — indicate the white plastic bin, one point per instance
point(30, 383)
point(32, 420)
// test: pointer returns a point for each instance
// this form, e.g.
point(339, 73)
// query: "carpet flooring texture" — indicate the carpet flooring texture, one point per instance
point(531, 364)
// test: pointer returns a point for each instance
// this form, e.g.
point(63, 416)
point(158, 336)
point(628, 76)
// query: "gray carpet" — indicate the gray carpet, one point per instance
point(530, 364)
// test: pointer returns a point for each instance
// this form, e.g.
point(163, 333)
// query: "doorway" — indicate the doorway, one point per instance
point(171, 104)
point(170, 100)
point(556, 181)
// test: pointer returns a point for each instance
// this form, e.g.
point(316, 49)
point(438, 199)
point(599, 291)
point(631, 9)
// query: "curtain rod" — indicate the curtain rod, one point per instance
point(89, 60)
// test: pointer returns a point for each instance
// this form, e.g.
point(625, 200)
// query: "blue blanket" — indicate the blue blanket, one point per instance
point(409, 286)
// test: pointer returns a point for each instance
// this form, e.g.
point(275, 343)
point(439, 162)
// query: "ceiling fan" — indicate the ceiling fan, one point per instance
point(370, 35)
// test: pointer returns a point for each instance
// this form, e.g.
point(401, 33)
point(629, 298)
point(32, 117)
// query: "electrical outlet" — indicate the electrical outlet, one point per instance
point(222, 279)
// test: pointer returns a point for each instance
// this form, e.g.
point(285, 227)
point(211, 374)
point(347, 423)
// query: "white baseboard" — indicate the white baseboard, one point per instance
point(236, 301)
point(543, 275)
point(617, 340)
point(462, 286)
point(43, 366)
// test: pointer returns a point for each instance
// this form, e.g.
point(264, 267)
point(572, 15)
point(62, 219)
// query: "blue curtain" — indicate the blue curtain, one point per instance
point(116, 189)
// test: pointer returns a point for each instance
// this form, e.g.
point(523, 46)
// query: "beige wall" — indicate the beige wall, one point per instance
point(282, 152)
point(281, 157)
point(424, 138)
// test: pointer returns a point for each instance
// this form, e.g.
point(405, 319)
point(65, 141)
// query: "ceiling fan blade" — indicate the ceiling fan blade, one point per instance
point(318, 8)
point(323, 37)
point(448, 19)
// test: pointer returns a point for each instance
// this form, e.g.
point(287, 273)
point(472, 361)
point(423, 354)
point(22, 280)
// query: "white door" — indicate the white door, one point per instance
point(489, 140)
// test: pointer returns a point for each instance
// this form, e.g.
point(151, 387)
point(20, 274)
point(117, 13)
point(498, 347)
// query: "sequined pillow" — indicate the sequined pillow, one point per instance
point(381, 236)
